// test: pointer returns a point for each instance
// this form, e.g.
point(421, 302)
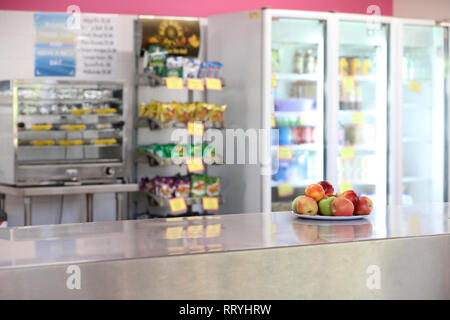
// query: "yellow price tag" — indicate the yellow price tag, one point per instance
point(285, 153)
point(195, 165)
point(81, 111)
point(285, 190)
point(75, 127)
point(274, 81)
point(106, 111)
point(415, 86)
point(345, 186)
point(358, 118)
point(70, 142)
point(348, 83)
point(272, 121)
point(105, 141)
point(177, 205)
point(196, 128)
point(43, 142)
point(174, 83)
point(41, 127)
point(348, 152)
point(210, 203)
point(303, 119)
point(174, 232)
point(195, 84)
point(213, 84)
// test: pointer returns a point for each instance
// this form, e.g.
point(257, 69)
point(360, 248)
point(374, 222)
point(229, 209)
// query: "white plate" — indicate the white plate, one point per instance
point(330, 218)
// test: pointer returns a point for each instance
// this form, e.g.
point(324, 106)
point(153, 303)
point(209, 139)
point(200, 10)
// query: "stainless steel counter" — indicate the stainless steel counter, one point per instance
point(403, 252)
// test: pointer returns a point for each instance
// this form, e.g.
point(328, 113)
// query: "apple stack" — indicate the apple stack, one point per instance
point(320, 199)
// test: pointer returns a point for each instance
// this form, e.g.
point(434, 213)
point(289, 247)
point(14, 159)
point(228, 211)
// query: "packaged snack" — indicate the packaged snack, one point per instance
point(166, 187)
point(174, 67)
point(182, 187)
point(168, 149)
point(179, 151)
point(157, 59)
point(152, 109)
point(166, 112)
point(184, 112)
point(208, 151)
point(198, 185)
point(202, 111)
point(156, 149)
point(216, 113)
point(196, 150)
point(217, 67)
point(203, 70)
point(190, 67)
point(212, 186)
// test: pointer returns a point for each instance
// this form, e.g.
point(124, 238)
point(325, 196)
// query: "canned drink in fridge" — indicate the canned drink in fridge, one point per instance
point(308, 135)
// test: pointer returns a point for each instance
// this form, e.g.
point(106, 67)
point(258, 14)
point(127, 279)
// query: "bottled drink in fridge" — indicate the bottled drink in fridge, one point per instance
point(298, 61)
point(309, 62)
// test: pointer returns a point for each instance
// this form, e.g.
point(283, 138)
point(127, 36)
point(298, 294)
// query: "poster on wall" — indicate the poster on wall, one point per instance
point(54, 46)
point(180, 37)
point(69, 45)
point(96, 45)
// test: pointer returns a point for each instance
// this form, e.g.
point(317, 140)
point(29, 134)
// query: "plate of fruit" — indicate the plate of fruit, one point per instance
point(320, 202)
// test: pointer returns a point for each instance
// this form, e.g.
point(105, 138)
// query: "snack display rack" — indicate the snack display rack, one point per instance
point(155, 129)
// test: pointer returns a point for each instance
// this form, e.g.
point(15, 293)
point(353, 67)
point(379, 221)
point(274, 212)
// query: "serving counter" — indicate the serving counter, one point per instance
point(395, 253)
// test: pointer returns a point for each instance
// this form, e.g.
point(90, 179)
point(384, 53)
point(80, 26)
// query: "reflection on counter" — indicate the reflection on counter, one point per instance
point(53, 244)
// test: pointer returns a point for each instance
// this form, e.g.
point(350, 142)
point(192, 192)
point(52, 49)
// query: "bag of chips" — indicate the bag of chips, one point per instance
point(184, 112)
point(202, 111)
point(212, 186)
point(198, 185)
point(182, 186)
point(166, 187)
point(216, 113)
point(166, 112)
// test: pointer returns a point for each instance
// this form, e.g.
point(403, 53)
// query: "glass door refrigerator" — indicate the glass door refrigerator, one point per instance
point(362, 126)
point(275, 73)
point(297, 106)
point(423, 168)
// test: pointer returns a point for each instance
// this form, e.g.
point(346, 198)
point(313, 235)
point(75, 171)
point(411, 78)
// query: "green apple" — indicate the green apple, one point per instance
point(325, 206)
point(294, 204)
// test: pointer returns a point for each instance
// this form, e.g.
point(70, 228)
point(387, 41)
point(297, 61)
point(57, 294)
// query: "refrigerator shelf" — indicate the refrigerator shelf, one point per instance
point(305, 146)
point(360, 148)
point(297, 76)
point(410, 106)
point(370, 113)
point(411, 140)
point(154, 124)
point(368, 78)
point(416, 179)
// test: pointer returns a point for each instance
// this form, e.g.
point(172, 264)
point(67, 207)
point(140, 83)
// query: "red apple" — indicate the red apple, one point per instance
point(327, 187)
point(342, 207)
point(315, 191)
point(350, 195)
point(364, 206)
point(307, 206)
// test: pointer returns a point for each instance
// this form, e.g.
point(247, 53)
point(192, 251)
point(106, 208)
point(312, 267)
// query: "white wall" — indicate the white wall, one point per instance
point(17, 61)
point(422, 9)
